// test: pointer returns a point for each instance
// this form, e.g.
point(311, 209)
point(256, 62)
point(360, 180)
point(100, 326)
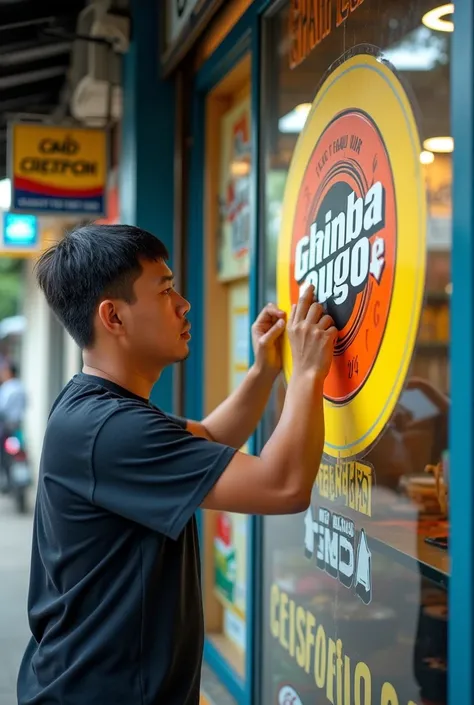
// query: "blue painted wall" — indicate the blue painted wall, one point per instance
point(146, 165)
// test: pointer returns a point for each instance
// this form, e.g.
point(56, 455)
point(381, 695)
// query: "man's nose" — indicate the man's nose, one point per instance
point(184, 306)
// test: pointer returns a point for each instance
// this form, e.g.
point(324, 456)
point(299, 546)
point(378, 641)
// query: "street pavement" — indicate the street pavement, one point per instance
point(15, 546)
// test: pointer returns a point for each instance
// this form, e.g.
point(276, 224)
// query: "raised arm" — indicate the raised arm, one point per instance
point(147, 468)
point(281, 479)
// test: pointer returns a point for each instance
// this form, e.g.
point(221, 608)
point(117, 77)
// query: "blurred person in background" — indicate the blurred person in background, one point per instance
point(12, 413)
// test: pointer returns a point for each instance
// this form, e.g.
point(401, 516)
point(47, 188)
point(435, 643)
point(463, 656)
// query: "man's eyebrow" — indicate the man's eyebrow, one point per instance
point(166, 278)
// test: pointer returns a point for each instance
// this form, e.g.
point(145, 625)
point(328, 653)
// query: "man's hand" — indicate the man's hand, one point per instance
point(312, 335)
point(234, 421)
point(267, 339)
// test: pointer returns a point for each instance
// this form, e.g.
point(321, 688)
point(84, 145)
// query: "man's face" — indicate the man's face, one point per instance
point(155, 329)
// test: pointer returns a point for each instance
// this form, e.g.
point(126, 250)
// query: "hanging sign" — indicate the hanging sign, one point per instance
point(184, 21)
point(354, 226)
point(178, 14)
point(58, 170)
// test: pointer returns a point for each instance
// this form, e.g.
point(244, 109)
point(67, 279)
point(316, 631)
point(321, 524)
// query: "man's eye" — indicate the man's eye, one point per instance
point(167, 291)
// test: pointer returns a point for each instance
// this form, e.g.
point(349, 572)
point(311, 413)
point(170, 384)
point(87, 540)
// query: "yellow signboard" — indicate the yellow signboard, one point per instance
point(57, 169)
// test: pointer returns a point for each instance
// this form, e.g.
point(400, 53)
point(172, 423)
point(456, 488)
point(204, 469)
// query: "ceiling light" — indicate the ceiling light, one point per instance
point(442, 145)
point(426, 157)
point(433, 18)
point(294, 121)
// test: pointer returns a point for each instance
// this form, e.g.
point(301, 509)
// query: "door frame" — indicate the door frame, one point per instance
point(242, 39)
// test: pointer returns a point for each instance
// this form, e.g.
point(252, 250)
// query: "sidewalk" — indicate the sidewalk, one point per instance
point(15, 540)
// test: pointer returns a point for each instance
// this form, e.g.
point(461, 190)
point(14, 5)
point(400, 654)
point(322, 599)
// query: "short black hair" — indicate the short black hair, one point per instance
point(91, 262)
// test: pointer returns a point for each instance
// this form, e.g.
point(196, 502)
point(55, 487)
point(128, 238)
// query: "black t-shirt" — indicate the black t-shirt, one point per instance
point(115, 604)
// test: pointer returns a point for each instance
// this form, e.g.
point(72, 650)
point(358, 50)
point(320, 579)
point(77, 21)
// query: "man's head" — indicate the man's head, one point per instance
point(112, 290)
point(8, 370)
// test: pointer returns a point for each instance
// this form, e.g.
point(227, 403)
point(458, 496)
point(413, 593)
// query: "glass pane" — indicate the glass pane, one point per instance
point(355, 603)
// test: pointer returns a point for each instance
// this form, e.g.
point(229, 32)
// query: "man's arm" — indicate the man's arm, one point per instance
point(234, 421)
point(149, 470)
point(281, 479)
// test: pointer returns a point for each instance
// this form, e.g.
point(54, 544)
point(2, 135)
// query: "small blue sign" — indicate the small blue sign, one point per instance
point(20, 232)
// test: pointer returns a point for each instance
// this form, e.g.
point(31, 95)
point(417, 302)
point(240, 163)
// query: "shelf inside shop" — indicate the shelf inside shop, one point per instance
point(407, 545)
point(437, 297)
point(432, 346)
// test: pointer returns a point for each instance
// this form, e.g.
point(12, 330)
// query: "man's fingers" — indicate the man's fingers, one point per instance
point(274, 310)
point(315, 313)
point(304, 304)
point(270, 313)
point(326, 322)
point(292, 313)
point(274, 333)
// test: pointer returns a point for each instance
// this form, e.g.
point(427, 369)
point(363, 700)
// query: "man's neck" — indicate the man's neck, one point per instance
point(132, 381)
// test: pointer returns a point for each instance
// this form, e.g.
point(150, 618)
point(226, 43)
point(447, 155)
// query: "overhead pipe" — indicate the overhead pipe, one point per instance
point(28, 77)
point(22, 56)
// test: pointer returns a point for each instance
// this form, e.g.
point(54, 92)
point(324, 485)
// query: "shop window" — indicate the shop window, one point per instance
point(354, 592)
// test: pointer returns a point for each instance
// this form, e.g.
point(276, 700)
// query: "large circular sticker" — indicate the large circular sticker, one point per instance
point(354, 226)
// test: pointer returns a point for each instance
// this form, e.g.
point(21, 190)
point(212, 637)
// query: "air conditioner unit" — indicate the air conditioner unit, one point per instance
point(96, 68)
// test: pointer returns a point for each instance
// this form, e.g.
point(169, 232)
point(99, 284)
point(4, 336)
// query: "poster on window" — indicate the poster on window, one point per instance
point(230, 574)
point(234, 193)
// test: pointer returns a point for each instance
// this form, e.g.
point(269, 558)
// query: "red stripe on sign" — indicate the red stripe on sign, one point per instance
point(43, 190)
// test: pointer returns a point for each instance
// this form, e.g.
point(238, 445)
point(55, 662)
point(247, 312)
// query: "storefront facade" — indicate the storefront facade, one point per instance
point(313, 143)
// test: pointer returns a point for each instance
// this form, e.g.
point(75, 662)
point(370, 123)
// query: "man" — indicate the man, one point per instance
point(12, 412)
point(115, 602)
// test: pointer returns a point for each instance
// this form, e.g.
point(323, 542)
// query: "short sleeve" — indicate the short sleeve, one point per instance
point(149, 469)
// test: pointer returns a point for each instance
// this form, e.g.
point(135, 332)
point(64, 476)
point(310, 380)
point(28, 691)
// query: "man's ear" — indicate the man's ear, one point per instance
point(109, 316)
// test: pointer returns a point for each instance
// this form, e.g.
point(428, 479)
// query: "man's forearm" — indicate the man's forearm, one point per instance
point(234, 421)
point(299, 445)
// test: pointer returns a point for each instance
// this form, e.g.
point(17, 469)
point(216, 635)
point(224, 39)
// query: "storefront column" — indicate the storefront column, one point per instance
point(146, 169)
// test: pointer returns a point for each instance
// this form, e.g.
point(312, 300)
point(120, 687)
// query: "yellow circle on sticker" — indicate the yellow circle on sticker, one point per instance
point(354, 226)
